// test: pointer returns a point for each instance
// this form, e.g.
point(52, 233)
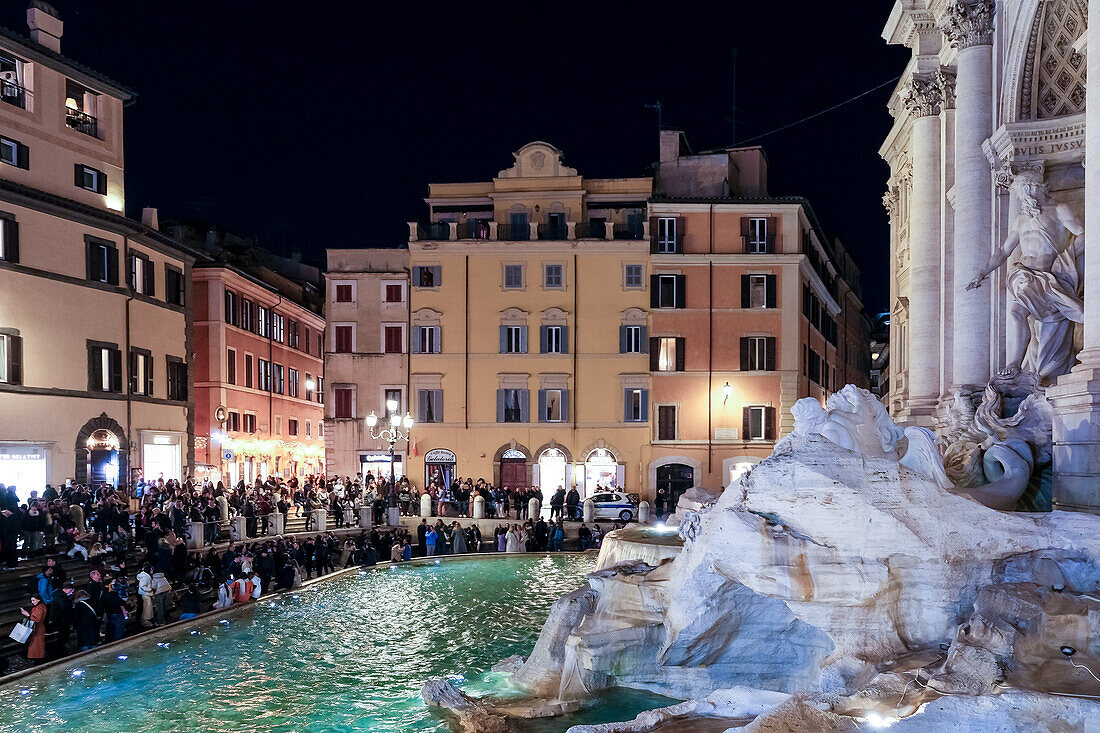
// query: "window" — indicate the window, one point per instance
point(668, 291)
point(278, 327)
point(11, 359)
point(104, 367)
point(320, 398)
point(309, 389)
point(344, 293)
point(292, 382)
point(758, 353)
point(392, 395)
point(632, 276)
point(320, 424)
point(263, 321)
point(554, 340)
point(177, 379)
point(345, 339)
point(292, 427)
point(667, 241)
point(233, 421)
point(307, 429)
point(248, 322)
point(394, 339)
point(278, 383)
point(263, 375)
point(427, 277)
point(80, 108)
point(9, 239)
point(14, 153)
point(429, 405)
point(102, 261)
point(141, 372)
point(520, 231)
point(513, 276)
point(232, 308)
point(513, 339)
point(249, 422)
point(636, 405)
point(757, 241)
point(512, 405)
point(815, 367)
point(344, 399)
point(552, 276)
point(632, 339)
point(758, 291)
point(90, 179)
point(231, 366)
point(395, 293)
point(173, 285)
point(666, 422)
point(427, 340)
point(758, 423)
point(292, 334)
point(667, 354)
point(553, 405)
point(139, 274)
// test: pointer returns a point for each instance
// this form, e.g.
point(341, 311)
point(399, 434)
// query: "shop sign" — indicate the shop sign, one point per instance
point(374, 457)
point(22, 454)
point(227, 455)
point(601, 455)
point(439, 455)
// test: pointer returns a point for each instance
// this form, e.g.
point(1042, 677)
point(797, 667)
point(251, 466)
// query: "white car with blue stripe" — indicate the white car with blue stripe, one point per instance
point(613, 505)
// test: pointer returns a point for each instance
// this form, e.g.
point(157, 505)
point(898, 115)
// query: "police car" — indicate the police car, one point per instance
point(614, 505)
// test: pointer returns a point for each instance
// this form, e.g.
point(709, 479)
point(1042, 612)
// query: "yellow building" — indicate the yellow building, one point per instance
point(94, 336)
point(527, 329)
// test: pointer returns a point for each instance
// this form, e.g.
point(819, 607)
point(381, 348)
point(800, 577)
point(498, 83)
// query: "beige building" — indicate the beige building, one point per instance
point(528, 305)
point(366, 356)
point(94, 349)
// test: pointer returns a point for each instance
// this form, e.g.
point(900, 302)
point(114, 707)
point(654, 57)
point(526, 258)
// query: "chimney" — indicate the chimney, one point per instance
point(149, 218)
point(45, 25)
point(670, 145)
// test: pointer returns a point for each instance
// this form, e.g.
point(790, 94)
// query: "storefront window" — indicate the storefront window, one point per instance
point(602, 470)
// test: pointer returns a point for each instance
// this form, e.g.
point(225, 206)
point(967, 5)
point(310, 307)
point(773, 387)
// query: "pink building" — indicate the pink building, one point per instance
point(258, 376)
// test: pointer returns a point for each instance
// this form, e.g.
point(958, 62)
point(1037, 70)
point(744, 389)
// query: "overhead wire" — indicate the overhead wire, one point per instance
point(822, 112)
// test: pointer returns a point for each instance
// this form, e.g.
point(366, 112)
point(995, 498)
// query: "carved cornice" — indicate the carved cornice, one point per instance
point(923, 96)
point(967, 24)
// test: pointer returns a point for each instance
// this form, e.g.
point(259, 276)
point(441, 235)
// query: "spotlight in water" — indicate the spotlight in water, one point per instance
point(878, 721)
point(458, 679)
point(225, 622)
point(122, 657)
point(438, 561)
point(162, 644)
point(195, 632)
point(78, 673)
point(24, 691)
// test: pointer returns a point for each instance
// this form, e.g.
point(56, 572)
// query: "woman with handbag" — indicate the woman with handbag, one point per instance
point(36, 644)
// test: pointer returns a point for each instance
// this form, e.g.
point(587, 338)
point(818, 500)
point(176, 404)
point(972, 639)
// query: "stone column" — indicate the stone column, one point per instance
point(923, 98)
point(969, 27)
point(425, 505)
point(366, 517)
point(1076, 396)
point(479, 507)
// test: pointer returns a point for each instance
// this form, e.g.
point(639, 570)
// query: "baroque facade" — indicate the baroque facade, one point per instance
point(987, 196)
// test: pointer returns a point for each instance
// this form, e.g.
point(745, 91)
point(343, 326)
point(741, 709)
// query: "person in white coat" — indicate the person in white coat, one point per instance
point(514, 543)
point(145, 591)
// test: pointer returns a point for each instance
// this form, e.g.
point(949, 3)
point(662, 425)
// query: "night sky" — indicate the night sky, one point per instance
point(317, 126)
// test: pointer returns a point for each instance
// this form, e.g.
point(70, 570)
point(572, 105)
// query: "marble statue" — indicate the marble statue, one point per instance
point(1045, 284)
point(852, 418)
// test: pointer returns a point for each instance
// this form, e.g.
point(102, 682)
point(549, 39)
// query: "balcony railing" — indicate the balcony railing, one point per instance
point(13, 93)
point(442, 231)
point(81, 121)
point(553, 231)
point(517, 233)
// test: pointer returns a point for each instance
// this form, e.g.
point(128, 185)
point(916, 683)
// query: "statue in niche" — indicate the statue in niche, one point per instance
point(1045, 285)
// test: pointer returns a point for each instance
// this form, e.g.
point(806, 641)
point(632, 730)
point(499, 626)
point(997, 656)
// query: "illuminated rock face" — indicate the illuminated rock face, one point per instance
point(811, 572)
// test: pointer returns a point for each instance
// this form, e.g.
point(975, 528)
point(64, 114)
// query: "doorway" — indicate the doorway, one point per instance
point(675, 479)
point(552, 473)
point(513, 473)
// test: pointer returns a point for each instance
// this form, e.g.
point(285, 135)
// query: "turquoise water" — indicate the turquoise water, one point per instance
point(347, 655)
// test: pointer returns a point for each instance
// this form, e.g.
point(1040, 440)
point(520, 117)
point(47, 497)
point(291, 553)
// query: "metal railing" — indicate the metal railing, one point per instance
point(82, 122)
point(13, 93)
point(509, 233)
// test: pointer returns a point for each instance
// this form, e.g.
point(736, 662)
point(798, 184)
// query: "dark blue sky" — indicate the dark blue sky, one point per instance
point(320, 125)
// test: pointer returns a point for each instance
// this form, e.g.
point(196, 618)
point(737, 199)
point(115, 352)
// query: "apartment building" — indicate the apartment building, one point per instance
point(527, 304)
point(751, 308)
point(94, 307)
point(366, 356)
point(259, 371)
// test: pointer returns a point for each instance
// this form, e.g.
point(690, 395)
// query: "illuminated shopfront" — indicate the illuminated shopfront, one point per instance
point(24, 466)
point(249, 459)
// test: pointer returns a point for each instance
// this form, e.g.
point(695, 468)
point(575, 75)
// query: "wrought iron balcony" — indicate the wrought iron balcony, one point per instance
point(13, 93)
point(81, 121)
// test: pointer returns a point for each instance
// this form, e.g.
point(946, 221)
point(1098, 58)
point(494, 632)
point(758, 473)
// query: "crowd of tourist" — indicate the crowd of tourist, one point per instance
point(100, 527)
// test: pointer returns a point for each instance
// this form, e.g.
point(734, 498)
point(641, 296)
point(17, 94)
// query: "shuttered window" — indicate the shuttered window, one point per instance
point(9, 238)
point(343, 399)
point(11, 359)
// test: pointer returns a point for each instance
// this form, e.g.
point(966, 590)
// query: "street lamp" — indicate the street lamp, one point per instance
point(391, 435)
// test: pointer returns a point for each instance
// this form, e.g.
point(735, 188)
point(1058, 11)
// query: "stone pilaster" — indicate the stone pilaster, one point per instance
point(923, 98)
point(1076, 396)
point(969, 26)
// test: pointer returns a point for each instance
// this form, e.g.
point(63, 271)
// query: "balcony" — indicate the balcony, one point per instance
point(486, 229)
point(81, 121)
point(13, 94)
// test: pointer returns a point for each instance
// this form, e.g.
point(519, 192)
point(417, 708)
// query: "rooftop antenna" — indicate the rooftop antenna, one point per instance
point(733, 119)
point(657, 106)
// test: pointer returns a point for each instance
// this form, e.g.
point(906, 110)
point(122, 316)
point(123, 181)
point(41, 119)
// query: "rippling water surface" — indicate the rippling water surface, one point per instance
point(348, 655)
